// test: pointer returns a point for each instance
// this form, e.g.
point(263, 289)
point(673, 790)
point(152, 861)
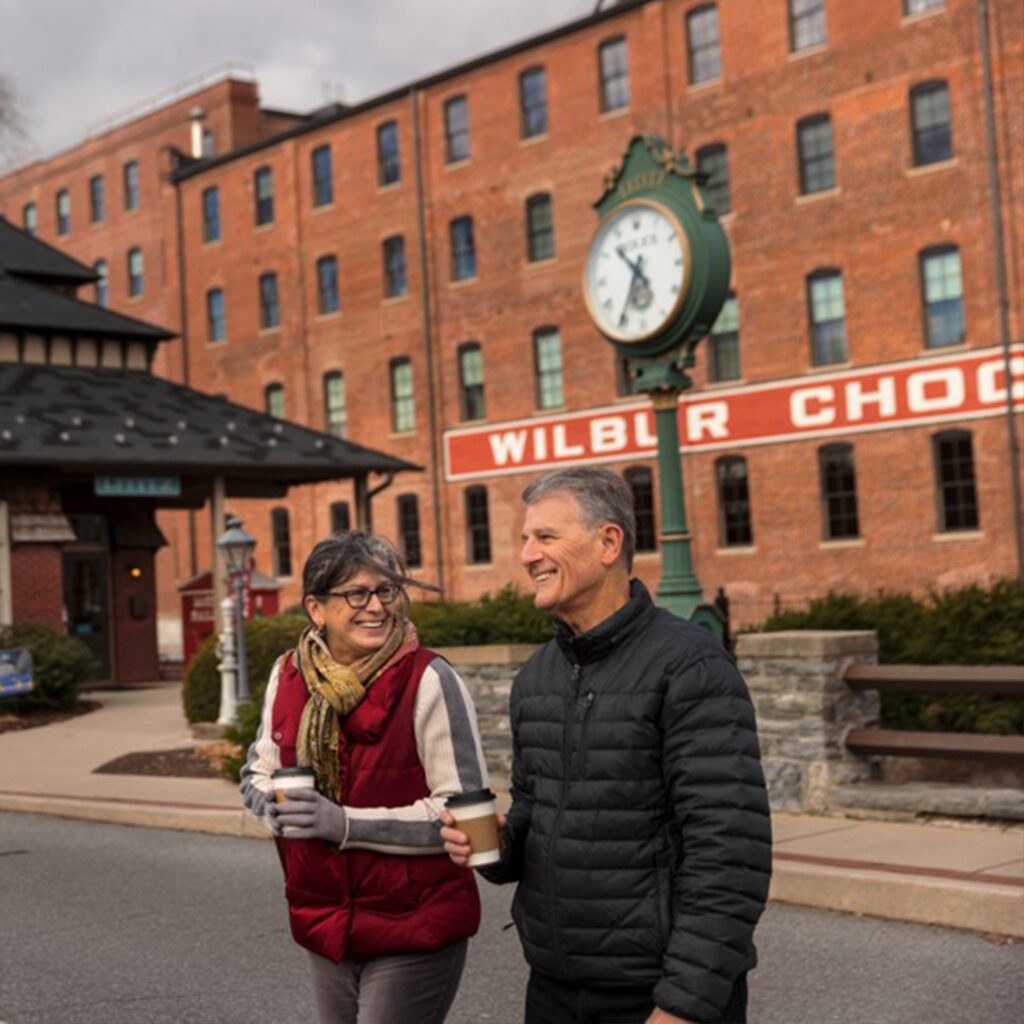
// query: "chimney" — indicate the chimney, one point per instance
point(195, 116)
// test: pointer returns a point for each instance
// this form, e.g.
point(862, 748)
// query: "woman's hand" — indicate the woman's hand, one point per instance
point(456, 843)
point(308, 815)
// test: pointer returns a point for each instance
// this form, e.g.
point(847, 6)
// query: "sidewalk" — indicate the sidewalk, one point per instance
point(958, 875)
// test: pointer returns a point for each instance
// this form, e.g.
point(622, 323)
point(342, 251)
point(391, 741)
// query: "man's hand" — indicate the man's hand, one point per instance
point(660, 1016)
point(456, 843)
point(308, 815)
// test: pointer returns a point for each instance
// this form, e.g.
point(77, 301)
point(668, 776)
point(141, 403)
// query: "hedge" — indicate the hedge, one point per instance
point(970, 626)
point(59, 664)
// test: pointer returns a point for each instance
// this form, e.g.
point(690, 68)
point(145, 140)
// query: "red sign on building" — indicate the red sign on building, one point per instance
point(967, 385)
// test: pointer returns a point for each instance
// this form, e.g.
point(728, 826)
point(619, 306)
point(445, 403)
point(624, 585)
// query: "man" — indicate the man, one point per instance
point(639, 830)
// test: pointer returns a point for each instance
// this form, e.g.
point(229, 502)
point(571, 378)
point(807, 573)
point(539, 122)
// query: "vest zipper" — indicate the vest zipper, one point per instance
point(570, 704)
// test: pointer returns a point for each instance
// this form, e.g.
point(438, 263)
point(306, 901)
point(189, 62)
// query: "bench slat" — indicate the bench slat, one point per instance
point(1005, 680)
point(905, 743)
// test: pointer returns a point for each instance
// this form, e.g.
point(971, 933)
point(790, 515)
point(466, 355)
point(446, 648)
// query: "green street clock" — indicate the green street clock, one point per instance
point(657, 269)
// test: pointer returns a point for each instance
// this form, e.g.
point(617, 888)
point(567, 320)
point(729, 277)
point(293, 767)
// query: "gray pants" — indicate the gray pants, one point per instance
point(388, 989)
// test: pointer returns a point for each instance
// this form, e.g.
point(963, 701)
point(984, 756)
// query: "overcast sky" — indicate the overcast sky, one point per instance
point(76, 62)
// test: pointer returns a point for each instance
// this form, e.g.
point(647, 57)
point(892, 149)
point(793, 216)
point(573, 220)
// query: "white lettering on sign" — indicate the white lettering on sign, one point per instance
point(936, 388)
point(820, 398)
point(924, 396)
point(709, 419)
point(883, 396)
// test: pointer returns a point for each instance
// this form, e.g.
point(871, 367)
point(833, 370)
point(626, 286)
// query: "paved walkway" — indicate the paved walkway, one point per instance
point(960, 875)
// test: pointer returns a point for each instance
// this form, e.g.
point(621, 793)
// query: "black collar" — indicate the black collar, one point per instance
point(599, 642)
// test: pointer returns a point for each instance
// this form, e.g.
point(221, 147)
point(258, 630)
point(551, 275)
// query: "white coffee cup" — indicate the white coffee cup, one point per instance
point(286, 779)
point(475, 813)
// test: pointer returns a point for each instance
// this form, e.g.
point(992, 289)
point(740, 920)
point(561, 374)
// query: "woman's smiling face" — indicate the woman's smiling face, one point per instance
point(354, 633)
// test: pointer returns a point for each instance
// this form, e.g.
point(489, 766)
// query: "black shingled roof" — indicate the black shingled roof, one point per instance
point(26, 256)
point(31, 308)
point(115, 421)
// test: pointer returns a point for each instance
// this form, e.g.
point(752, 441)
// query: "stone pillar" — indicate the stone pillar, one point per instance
point(804, 711)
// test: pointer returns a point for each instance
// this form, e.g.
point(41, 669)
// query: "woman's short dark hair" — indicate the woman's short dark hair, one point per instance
point(602, 497)
point(339, 557)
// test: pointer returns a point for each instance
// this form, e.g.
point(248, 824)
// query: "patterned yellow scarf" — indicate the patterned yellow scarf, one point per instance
point(335, 690)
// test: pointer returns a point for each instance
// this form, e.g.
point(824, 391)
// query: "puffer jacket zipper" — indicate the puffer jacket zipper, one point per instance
point(570, 705)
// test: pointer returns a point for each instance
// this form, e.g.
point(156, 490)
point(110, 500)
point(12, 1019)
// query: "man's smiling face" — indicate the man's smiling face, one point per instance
point(563, 557)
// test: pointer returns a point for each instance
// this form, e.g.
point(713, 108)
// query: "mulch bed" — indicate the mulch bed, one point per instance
point(185, 762)
point(14, 722)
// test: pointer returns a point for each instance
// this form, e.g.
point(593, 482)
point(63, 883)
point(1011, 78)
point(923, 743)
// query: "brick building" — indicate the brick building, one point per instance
point(406, 272)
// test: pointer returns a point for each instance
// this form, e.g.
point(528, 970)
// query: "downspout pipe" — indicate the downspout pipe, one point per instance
point(995, 194)
point(428, 337)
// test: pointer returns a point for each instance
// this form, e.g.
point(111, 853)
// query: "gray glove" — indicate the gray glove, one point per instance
point(308, 815)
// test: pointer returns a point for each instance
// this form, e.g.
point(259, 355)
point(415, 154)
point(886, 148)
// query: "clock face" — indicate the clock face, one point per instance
point(637, 271)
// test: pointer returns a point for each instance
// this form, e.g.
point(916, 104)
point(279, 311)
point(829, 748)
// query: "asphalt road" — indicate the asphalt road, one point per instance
point(102, 924)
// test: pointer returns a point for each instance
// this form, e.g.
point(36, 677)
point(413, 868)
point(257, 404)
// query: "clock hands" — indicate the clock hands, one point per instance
point(639, 292)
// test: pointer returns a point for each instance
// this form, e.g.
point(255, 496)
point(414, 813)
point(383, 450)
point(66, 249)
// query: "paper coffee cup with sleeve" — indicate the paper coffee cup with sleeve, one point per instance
point(475, 813)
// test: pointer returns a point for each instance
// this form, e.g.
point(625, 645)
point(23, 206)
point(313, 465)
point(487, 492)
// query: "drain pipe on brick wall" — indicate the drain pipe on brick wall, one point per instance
point(995, 193)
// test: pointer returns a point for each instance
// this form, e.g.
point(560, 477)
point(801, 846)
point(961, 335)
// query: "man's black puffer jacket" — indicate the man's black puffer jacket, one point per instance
point(639, 829)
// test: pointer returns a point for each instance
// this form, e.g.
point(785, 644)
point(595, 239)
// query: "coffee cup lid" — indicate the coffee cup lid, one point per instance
point(473, 796)
point(285, 773)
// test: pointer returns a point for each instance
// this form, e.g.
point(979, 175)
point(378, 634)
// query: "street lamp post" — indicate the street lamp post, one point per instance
point(237, 546)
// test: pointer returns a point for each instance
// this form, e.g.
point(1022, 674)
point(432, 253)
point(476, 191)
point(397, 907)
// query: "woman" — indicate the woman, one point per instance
point(389, 731)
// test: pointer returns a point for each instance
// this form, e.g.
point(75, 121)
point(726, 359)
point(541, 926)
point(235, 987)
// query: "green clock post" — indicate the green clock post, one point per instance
point(656, 276)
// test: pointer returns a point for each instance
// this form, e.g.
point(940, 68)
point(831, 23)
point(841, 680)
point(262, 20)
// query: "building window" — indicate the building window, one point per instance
point(270, 308)
point(930, 123)
point(540, 228)
point(130, 176)
point(456, 129)
point(724, 344)
point(327, 284)
point(323, 186)
point(97, 199)
point(942, 291)
point(409, 530)
point(389, 167)
point(920, 6)
point(613, 71)
point(273, 400)
point(63, 212)
point(463, 249)
point(954, 481)
point(806, 24)
point(478, 526)
point(816, 154)
point(547, 361)
point(713, 161)
point(335, 413)
point(30, 218)
point(734, 528)
point(826, 307)
point(403, 407)
point(642, 485)
point(533, 103)
point(471, 381)
point(838, 492)
point(216, 328)
point(263, 191)
point(341, 517)
point(211, 214)
point(703, 44)
point(135, 272)
point(395, 283)
point(623, 377)
point(209, 143)
point(281, 538)
point(102, 282)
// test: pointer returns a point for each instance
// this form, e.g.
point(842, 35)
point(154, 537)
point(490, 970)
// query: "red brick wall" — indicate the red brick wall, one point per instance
point(37, 587)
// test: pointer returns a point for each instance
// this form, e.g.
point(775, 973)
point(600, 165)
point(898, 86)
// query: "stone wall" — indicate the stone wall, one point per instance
point(804, 711)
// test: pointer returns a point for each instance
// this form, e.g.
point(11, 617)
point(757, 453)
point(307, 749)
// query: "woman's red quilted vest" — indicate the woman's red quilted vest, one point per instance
point(359, 904)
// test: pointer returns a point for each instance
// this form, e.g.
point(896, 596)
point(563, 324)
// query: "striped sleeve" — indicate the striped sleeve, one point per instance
point(264, 756)
point(448, 743)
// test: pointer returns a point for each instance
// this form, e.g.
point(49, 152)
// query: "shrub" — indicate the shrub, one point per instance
point(969, 626)
point(265, 638)
point(507, 617)
point(59, 664)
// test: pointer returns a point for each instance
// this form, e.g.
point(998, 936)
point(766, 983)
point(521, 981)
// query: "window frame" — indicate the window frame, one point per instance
point(263, 205)
point(967, 485)
point(269, 301)
point(932, 5)
point(403, 404)
point(640, 480)
point(322, 294)
point(102, 283)
point(216, 323)
point(698, 51)
point(97, 200)
point(478, 525)
point(797, 19)
point(407, 518)
point(821, 338)
point(340, 513)
point(210, 204)
point(30, 213)
point(809, 163)
point(462, 249)
point(921, 92)
point(131, 185)
point(271, 393)
point(334, 424)
point(472, 395)
point(726, 521)
point(387, 160)
point(62, 212)
point(136, 281)
point(535, 234)
point(711, 189)
point(840, 512)
point(610, 92)
point(393, 250)
point(719, 338)
point(528, 106)
point(456, 136)
point(936, 252)
point(541, 373)
point(281, 541)
point(322, 189)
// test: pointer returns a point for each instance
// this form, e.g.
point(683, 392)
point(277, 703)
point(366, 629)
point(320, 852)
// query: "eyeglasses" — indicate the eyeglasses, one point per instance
point(360, 597)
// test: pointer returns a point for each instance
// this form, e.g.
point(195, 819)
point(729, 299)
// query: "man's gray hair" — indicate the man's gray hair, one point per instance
point(602, 496)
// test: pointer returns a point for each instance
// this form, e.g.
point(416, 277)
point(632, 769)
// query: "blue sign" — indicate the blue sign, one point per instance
point(137, 486)
point(15, 672)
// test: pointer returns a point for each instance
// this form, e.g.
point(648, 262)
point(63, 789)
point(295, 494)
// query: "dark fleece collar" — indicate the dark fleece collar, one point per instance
point(599, 642)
